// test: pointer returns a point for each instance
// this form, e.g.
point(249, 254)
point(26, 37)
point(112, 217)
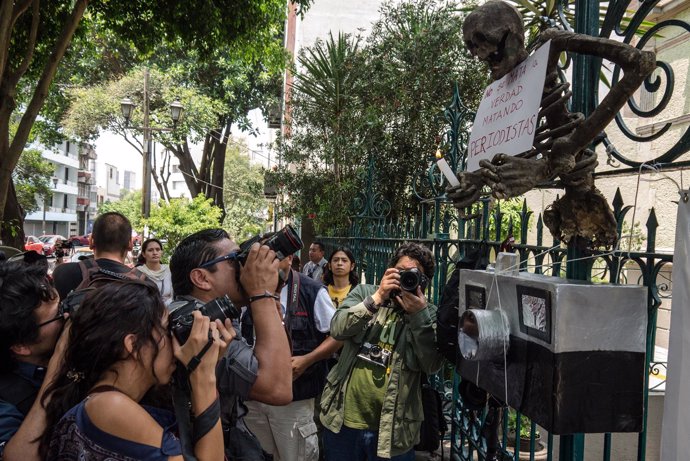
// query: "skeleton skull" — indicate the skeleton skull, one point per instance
point(494, 33)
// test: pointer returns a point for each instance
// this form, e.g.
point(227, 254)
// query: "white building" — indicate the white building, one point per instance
point(112, 183)
point(69, 209)
point(129, 180)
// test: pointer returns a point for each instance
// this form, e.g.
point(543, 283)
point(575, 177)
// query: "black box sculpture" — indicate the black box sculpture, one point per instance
point(571, 353)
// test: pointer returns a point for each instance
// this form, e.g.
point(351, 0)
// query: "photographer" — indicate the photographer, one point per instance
point(204, 267)
point(371, 406)
point(31, 348)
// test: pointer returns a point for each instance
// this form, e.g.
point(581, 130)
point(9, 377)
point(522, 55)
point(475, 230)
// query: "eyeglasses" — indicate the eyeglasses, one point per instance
point(228, 257)
point(60, 316)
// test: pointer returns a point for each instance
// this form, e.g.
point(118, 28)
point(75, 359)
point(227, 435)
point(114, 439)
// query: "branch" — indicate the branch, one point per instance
point(13, 79)
point(43, 85)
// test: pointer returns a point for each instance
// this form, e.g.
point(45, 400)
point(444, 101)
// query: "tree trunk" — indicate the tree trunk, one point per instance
point(12, 228)
point(9, 79)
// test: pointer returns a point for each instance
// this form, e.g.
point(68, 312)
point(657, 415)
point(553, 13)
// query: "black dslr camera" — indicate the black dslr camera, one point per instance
point(181, 318)
point(373, 353)
point(410, 279)
point(284, 242)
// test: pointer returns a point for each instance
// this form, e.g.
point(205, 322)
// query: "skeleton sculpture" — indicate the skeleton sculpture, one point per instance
point(494, 33)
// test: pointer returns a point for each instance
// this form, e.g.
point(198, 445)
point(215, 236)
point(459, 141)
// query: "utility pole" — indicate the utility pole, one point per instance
point(127, 107)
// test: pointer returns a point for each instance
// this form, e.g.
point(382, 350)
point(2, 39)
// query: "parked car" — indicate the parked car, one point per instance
point(81, 253)
point(49, 243)
point(33, 243)
point(80, 240)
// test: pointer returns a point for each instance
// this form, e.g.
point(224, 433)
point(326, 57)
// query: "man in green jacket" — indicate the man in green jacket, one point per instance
point(371, 407)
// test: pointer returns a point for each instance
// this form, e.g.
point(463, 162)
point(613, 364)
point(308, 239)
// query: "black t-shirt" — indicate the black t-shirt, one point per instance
point(68, 276)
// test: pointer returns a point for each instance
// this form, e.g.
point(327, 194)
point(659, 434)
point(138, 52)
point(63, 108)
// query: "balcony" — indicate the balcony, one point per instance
point(84, 177)
point(61, 158)
point(83, 201)
point(66, 187)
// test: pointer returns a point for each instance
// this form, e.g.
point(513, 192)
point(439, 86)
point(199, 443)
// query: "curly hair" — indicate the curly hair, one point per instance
point(419, 253)
point(23, 288)
point(328, 274)
point(96, 342)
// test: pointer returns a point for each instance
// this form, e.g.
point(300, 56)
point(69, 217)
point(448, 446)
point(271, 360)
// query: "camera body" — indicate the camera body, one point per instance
point(181, 314)
point(284, 242)
point(545, 345)
point(373, 353)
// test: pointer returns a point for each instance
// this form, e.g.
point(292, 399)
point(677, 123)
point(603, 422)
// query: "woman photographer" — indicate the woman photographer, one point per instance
point(340, 276)
point(150, 256)
point(119, 349)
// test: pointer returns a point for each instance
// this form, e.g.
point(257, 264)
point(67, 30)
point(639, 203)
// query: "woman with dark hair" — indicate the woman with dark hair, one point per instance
point(340, 276)
point(120, 348)
point(151, 253)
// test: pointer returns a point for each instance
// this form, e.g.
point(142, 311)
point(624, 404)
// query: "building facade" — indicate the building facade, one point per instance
point(67, 212)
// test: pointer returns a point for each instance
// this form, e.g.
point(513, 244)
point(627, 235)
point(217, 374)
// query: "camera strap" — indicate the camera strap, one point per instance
point(292, 304)
point(196, 360)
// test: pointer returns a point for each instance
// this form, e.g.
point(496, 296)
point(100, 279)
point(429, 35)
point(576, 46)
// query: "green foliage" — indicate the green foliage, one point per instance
point(170, 221)
point(129, 205)
point(243, 193)
point(176, 220)
point(381, 98)
point(525, 424)
point(511, 209)
point(31, 179)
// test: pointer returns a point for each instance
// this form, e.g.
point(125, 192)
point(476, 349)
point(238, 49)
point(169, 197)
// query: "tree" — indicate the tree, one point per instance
point(129, 205)
point(381, 101)
point(176, 220)
point(245, 204)
point(32, 179)
point(35, 36)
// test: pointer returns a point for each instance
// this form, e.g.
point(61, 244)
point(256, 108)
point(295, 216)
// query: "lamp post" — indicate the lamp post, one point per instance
point(45, 199)
point(127, 107)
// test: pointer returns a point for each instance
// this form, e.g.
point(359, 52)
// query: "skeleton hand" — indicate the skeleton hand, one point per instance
point(581, 174)
point(468, 191)
point(512, 176)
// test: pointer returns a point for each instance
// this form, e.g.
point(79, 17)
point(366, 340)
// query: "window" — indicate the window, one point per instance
point(65, 201)
point(67, 149)
point(66, 175)
point(111, 173)
point(176, 168)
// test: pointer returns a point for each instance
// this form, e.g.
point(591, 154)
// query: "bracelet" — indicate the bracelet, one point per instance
point(370, 304)
point(266, 294)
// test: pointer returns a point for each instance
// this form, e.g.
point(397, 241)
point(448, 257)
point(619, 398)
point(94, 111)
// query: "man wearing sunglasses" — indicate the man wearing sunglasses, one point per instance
point(204, 267)
point(30, 326)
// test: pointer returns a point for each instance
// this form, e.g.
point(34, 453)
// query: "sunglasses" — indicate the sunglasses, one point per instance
point(228, 257)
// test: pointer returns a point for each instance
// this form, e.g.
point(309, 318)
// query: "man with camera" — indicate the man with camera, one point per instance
point(289, 432)
point(371, 406)
point(31, 325)
point(206, 268)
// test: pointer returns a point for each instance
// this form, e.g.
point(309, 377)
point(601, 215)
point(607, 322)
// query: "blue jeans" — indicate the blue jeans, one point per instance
point(356, 445)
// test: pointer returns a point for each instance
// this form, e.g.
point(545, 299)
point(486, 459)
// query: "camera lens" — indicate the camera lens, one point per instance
point(220, 309)
point(375, 352)
point(409, 280)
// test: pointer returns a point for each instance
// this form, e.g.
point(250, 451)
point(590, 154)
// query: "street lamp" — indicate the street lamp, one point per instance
point(45, 199)
point(127, 107)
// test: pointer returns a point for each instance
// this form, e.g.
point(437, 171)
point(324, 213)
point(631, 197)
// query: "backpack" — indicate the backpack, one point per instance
point(447, 326)
point(92, 277)
point(434, 425)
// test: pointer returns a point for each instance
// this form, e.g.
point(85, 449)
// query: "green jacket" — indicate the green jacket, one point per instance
point(415, 353)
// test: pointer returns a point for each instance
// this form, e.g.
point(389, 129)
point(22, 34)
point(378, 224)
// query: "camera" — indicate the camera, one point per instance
point(410, 279)
point(284, 242)
point(181, 318)
point(373, 353)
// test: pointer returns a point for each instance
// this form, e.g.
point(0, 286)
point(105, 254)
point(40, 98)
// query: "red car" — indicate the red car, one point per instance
point(80, 240)
point(33, 243)
point(49, 243)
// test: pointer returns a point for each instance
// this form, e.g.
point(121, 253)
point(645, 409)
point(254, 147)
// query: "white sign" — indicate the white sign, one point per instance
point(507, 116)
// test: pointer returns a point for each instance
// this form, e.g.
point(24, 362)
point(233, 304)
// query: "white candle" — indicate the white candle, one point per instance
point(447, 172)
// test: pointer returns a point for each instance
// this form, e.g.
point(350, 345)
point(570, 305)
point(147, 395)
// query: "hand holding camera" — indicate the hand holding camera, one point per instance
point(404, 287)
point(260, 270)
point(206, 343)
